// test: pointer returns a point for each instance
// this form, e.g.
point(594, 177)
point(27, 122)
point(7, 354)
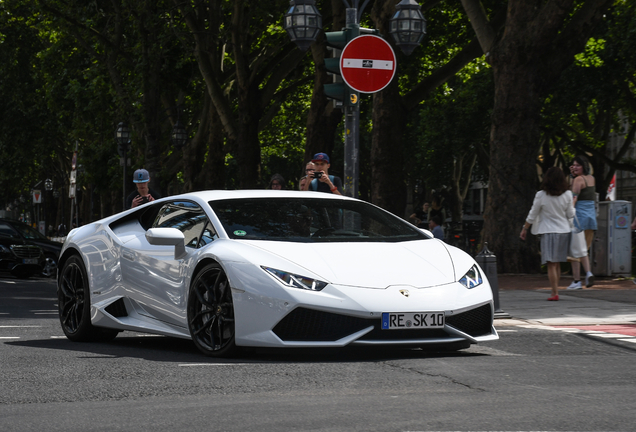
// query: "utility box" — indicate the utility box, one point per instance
point(612, 246)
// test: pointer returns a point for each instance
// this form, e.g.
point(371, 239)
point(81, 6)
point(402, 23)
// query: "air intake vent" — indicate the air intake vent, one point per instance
point(475, 322)
point(310, 325)
point(117, 309)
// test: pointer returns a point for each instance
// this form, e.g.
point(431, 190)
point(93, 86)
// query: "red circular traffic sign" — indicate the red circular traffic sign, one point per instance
point(367, 64)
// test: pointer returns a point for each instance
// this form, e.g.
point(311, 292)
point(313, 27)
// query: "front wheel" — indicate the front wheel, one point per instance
point(211, 312)
point(50, 266)
point(73, 297)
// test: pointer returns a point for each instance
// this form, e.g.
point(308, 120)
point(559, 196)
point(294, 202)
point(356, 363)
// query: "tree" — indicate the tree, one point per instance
point(595, 101)
point(420, 74)
point(539, 42)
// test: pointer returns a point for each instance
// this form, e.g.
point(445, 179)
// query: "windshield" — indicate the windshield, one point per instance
point(29, 233)
point(311, 220)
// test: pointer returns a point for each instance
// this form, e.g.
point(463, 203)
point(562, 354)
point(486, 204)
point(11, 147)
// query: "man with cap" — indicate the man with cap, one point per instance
point(143, 194)
point(322, 181)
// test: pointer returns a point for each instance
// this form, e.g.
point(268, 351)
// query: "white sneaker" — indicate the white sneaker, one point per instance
point(575, 285)
point(589, 279)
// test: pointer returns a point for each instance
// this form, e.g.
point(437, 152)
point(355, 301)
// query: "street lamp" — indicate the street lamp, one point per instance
point(179, 135)
point(123, 138)
point(48, 186)
point(408, 26)
point(303, 22)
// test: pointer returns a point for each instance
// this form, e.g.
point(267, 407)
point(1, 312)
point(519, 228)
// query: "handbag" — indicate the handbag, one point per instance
point(578, 246)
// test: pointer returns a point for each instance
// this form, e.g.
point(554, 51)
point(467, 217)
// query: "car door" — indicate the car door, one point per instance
point(157, 280)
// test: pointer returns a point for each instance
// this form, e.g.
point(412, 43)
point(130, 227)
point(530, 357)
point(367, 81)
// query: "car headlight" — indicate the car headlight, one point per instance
point(296, 281)
point(472, 278)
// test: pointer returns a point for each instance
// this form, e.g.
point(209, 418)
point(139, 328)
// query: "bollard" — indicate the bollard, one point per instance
point(488, 262)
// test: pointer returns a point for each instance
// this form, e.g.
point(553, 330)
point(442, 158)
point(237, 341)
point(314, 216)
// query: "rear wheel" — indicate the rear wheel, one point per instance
point(74, 304)
point(211, 312)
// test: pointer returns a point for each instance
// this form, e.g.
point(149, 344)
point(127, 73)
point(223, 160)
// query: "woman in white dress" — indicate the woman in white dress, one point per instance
point(550, 217)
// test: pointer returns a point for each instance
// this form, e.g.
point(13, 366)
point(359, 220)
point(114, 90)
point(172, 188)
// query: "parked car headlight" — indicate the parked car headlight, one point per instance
point(296, 281)
point(472, 278)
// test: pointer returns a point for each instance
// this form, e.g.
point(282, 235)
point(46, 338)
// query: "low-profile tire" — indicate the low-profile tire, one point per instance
point(211, 312)
point(73, 295)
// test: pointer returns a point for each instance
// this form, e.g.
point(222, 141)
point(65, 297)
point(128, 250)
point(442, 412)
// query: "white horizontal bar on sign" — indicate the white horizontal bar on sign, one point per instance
point(367, 64)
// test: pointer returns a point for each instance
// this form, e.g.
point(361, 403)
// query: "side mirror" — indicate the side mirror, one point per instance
point(168, 237)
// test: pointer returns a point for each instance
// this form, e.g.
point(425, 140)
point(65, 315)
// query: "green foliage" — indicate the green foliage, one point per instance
point(454, 123)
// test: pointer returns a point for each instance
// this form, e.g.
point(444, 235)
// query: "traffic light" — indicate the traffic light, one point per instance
point(341, 93)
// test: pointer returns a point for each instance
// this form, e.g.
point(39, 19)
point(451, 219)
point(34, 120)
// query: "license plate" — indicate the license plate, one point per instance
point(29, 261)
point(412, 320)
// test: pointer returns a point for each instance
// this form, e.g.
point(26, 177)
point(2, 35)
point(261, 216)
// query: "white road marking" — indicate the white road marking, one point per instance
point(632, 340)
point(609, 335)
point(9, 337)
point(18, 326)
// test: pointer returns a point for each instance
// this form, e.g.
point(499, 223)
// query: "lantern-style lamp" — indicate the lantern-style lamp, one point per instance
point(179, 135)
point(303, 22)
point(123, 138)
point(408, 26)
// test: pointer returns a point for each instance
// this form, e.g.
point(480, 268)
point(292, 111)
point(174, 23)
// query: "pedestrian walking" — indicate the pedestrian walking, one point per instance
point(550, 217)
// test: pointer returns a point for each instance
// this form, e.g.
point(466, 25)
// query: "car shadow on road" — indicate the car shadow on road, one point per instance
point(167, 349)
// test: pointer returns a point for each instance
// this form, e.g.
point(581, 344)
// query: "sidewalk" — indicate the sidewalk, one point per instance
point(523, 299)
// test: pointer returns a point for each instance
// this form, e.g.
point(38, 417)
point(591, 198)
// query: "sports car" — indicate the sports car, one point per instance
point(232, 269)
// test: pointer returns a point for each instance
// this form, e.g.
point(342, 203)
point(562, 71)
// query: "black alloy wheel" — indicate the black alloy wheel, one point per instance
point(74, 304)
point(211, 312)
point(50, 266)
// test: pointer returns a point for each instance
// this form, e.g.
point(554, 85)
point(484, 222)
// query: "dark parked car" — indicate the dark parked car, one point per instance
point(31, 236)
point(21, 259)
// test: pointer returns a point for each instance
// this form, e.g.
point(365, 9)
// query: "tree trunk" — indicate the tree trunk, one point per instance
point(538, 44)
point(388, 186)
point(513, 170)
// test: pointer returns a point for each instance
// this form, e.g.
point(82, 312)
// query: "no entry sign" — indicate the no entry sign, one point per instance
point(367, 64)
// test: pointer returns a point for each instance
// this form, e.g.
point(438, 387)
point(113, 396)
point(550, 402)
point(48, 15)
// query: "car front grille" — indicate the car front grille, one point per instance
point(305, 325)
point(26, 251)
point(475, 322)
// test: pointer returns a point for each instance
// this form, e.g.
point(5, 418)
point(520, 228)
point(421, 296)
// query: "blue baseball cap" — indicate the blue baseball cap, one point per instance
point(141, 176)
point(321, 157)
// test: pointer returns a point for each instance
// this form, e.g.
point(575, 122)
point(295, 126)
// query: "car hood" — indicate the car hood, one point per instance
point(421, 263)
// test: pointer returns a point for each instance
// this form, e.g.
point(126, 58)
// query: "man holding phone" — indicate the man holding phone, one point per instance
point(322, 181)
point(143, 194)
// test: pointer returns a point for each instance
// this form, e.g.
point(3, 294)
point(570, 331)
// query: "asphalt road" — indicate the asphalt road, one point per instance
point(531, 379)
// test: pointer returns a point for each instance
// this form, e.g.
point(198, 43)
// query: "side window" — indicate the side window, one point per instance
point(209, 235)
point(188, 218)
point(7, 230)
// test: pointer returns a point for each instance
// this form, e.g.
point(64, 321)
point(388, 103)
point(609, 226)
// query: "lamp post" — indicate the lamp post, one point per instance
point(123, 139)
point(48, 187)
point(302, 23)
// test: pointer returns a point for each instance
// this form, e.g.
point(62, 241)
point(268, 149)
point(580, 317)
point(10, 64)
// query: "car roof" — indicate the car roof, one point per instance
point(214, 195)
